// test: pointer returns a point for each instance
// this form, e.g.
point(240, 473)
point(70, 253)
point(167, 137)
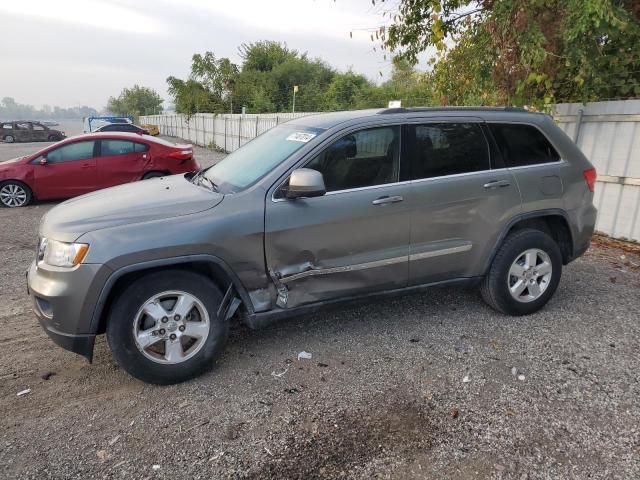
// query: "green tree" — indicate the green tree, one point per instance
point(136, 101)
point(523, 51)
point(265, 55)
point(269, 72)
point(412, 87)
point(347, 91)
point(209, 88)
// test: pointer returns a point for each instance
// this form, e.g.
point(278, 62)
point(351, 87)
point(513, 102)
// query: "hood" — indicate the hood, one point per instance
point(137, 202)
point(12, 161)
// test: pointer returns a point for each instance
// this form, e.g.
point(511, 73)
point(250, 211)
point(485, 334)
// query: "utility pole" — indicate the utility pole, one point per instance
point(295, 90)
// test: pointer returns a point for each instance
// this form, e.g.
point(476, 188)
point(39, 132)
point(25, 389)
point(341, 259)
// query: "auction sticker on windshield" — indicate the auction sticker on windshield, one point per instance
point(300, 137)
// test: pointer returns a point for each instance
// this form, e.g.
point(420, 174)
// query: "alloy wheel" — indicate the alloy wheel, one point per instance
point(13, 195)
point(529, 275)
point(171, 327)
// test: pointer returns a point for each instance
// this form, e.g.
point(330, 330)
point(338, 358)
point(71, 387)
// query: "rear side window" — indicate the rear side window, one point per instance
point(140, 147)
point(7, 126)
point(71, 152)
point(110, 148)
point(523, 145)
point(439, 149)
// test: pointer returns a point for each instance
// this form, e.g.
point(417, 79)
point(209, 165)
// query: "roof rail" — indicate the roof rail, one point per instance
point(388, 111)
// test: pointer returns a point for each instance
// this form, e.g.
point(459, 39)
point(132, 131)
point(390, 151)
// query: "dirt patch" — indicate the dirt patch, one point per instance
point(337, 445)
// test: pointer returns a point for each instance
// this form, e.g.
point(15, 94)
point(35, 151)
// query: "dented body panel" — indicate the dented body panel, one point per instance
point(338, 244)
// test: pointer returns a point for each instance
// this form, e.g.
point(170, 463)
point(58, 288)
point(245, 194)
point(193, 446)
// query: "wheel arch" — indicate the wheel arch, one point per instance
point(208, 265)
point(553, 222)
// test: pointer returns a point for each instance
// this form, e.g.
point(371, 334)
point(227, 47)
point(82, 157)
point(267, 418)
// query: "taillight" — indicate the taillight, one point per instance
point(182, 154)
point(590, 176)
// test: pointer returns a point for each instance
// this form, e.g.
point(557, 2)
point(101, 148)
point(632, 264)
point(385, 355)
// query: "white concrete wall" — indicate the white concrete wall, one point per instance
point(608, 134)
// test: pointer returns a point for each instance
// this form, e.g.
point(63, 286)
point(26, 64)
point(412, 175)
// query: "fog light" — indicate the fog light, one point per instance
point(44, 307)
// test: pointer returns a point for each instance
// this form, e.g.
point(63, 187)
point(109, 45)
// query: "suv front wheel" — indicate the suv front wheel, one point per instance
point(163, 328)
point(524, 274)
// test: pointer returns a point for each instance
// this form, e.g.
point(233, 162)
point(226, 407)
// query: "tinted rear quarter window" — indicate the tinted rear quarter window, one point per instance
point(439, 149)
point(523, 145)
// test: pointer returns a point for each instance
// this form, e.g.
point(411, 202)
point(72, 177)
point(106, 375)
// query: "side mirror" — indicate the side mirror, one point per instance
point(43, 160)
point(305, 182)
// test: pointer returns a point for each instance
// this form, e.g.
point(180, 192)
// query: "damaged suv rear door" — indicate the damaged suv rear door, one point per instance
point(352, 240)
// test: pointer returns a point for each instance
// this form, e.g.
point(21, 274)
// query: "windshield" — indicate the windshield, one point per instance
point(252, 161)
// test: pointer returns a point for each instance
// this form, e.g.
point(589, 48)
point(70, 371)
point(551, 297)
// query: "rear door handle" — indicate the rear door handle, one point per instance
point(497, 184)
point(387, 199)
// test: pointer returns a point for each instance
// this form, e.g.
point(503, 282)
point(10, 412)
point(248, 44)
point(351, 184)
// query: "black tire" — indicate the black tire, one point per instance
point(9, 139)
point(4, 191)
point(149, 175)
point(495, 287)
point(54, 138)
point(122, 318)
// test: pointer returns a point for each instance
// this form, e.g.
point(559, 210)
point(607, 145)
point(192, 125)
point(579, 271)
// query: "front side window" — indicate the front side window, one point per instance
point(360, 159)
point(71, 152)
point(254, 160)
point(523, 145)
point(38, 127)
point(109, 148)
point(439, 149)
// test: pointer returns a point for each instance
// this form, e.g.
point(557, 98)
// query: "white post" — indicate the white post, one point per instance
point(295, 89)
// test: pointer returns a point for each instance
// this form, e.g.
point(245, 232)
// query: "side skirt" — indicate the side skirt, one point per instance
point(264, 319)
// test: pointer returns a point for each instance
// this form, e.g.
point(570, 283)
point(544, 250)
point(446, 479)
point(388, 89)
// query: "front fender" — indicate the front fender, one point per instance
point(164, 262)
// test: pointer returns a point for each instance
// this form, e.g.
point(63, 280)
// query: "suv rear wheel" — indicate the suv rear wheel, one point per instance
point(9, 139)
point(524, 274)
point(164, 329)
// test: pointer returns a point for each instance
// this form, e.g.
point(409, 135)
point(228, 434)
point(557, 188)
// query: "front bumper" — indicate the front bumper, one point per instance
point(64, 302)
point(80, 344)
point(583, 221)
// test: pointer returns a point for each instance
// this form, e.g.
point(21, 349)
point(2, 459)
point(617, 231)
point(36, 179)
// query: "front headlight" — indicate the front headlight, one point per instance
point(61, 254)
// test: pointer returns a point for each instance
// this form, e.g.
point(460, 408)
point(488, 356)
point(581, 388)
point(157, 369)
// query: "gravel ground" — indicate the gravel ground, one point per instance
point(552, 395)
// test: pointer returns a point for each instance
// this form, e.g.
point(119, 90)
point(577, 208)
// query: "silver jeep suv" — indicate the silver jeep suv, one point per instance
point(323, 209)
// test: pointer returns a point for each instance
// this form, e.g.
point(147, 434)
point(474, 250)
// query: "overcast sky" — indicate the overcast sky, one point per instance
point(70, 52)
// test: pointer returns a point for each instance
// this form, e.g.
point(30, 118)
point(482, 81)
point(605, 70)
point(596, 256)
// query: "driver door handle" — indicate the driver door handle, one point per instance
point(496, 184)
point(387, 199)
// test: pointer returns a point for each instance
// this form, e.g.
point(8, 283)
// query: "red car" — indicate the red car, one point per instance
point(90, 162)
